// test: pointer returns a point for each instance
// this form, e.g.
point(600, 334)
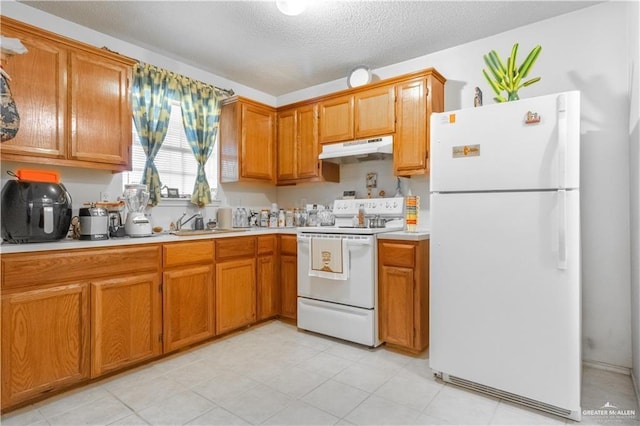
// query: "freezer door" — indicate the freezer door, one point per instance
point(505, 292)
point(504, 147)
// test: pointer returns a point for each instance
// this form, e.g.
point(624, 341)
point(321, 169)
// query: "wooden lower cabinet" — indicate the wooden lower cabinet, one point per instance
point(235, 294)
point(45, 340)
point(72, 315)
point(403, 293)
point(188, 293)
point(268, 290)
point(289, 276)
point(126, 321)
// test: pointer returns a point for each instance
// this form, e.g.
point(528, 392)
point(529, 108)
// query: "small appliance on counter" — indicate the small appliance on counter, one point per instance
point(116, 227)
point(94, 223)
point(35, 208)
point(137, 224)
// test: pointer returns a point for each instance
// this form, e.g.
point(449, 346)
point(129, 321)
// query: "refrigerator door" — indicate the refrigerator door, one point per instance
point(505, 293)
point(504, 147)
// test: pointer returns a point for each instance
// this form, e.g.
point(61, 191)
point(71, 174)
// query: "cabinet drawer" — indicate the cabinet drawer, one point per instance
point(228, 248)
point(187, 253)
point(266, 244)
point(29, 269)
point(397, 254)
point(288, 245)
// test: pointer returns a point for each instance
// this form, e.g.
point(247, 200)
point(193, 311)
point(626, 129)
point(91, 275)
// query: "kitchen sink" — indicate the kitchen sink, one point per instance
point(189, 232)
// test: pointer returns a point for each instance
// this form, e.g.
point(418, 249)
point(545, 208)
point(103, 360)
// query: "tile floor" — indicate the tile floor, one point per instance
point(276, 375)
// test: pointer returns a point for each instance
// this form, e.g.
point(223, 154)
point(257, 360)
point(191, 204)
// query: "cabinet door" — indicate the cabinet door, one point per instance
point(38, 85)
point(45, 340)
point(267, 287)
point(235, 294)
point(395, 297)
point(289, 286)
point(188, 314)
point(308, 146)
point(336, 119)
point(258, 130)
point(126, 321)
point(410, 143)
point(100, 110)
point(287, 145)
point(375, 112)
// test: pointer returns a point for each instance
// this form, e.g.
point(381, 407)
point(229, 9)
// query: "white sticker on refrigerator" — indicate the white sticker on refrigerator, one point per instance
point(465, 151)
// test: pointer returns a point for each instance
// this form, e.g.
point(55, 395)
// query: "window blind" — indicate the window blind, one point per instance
point(175, 161)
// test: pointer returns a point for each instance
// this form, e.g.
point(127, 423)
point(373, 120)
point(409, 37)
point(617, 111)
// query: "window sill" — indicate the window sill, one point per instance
point(183, 202)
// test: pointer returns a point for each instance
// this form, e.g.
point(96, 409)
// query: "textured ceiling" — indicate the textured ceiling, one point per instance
point(252, 43)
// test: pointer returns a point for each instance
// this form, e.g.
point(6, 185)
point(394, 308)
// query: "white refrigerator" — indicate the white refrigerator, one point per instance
point(505, 281)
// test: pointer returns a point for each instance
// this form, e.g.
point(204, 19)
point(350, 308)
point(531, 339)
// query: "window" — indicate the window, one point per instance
point(175, 161)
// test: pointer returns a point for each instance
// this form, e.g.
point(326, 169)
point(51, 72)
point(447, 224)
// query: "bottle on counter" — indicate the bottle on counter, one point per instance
point(281, 218)
point(312, 219)
point(361, 215)
point(273, 216)
point(412, 207)
point(264, 218)
point(288, 219)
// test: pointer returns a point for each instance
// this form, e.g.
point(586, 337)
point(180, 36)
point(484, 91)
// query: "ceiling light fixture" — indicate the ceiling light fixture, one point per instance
point(292, 7)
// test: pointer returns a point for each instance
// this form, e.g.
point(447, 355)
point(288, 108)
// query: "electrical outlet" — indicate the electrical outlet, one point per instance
point(104, 196)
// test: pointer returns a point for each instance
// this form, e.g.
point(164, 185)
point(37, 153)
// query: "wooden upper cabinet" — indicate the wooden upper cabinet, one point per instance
point(37, 84)
point(375, 112)
point(100, 130)
point(307, 146)
point(247, 141)
point(362, 114)
point(287, 145)
point(299, 147)
point(336, 119)
point(73, 100)
point(417, 99)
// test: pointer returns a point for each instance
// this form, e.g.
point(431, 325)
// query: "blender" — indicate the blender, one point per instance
point(137, 224)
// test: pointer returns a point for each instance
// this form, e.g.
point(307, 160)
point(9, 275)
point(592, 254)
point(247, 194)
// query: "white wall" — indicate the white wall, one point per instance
point(634, 166)
point(85, 185)
point(585, 50)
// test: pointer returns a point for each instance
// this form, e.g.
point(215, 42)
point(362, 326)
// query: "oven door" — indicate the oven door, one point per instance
point(360, 289)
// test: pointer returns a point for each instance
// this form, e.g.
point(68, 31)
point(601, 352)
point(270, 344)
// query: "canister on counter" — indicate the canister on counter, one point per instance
point(288, 219)
point(264, 218)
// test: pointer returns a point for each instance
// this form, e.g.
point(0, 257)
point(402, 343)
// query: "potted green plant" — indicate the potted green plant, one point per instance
point(509, 78)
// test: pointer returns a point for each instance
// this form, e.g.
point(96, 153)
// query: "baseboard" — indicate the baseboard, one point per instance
point(608, 367)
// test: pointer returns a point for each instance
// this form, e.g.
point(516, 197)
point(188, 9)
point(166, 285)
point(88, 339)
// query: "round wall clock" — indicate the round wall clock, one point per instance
point(359, 76)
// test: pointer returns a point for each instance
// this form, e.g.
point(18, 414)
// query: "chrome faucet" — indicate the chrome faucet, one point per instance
point(180, 223)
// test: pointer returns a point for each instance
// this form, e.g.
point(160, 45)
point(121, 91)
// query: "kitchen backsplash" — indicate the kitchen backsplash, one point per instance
point(87, 185)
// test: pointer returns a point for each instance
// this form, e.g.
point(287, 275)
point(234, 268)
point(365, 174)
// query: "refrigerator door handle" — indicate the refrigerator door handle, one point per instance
point(562, 229)
point(563, 135)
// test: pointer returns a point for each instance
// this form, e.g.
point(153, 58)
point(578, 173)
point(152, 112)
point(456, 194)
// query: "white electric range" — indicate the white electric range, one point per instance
point(344, 305)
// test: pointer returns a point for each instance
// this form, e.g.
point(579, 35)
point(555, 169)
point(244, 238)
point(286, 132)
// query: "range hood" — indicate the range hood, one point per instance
point(360, 150)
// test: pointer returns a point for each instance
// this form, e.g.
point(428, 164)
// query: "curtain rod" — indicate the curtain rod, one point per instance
point(228, 92)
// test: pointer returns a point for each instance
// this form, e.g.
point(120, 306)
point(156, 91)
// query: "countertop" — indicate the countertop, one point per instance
point(70, 244)
point(420, 235)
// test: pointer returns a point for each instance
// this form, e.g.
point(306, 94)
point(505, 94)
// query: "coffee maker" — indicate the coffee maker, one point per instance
point(137, 224)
